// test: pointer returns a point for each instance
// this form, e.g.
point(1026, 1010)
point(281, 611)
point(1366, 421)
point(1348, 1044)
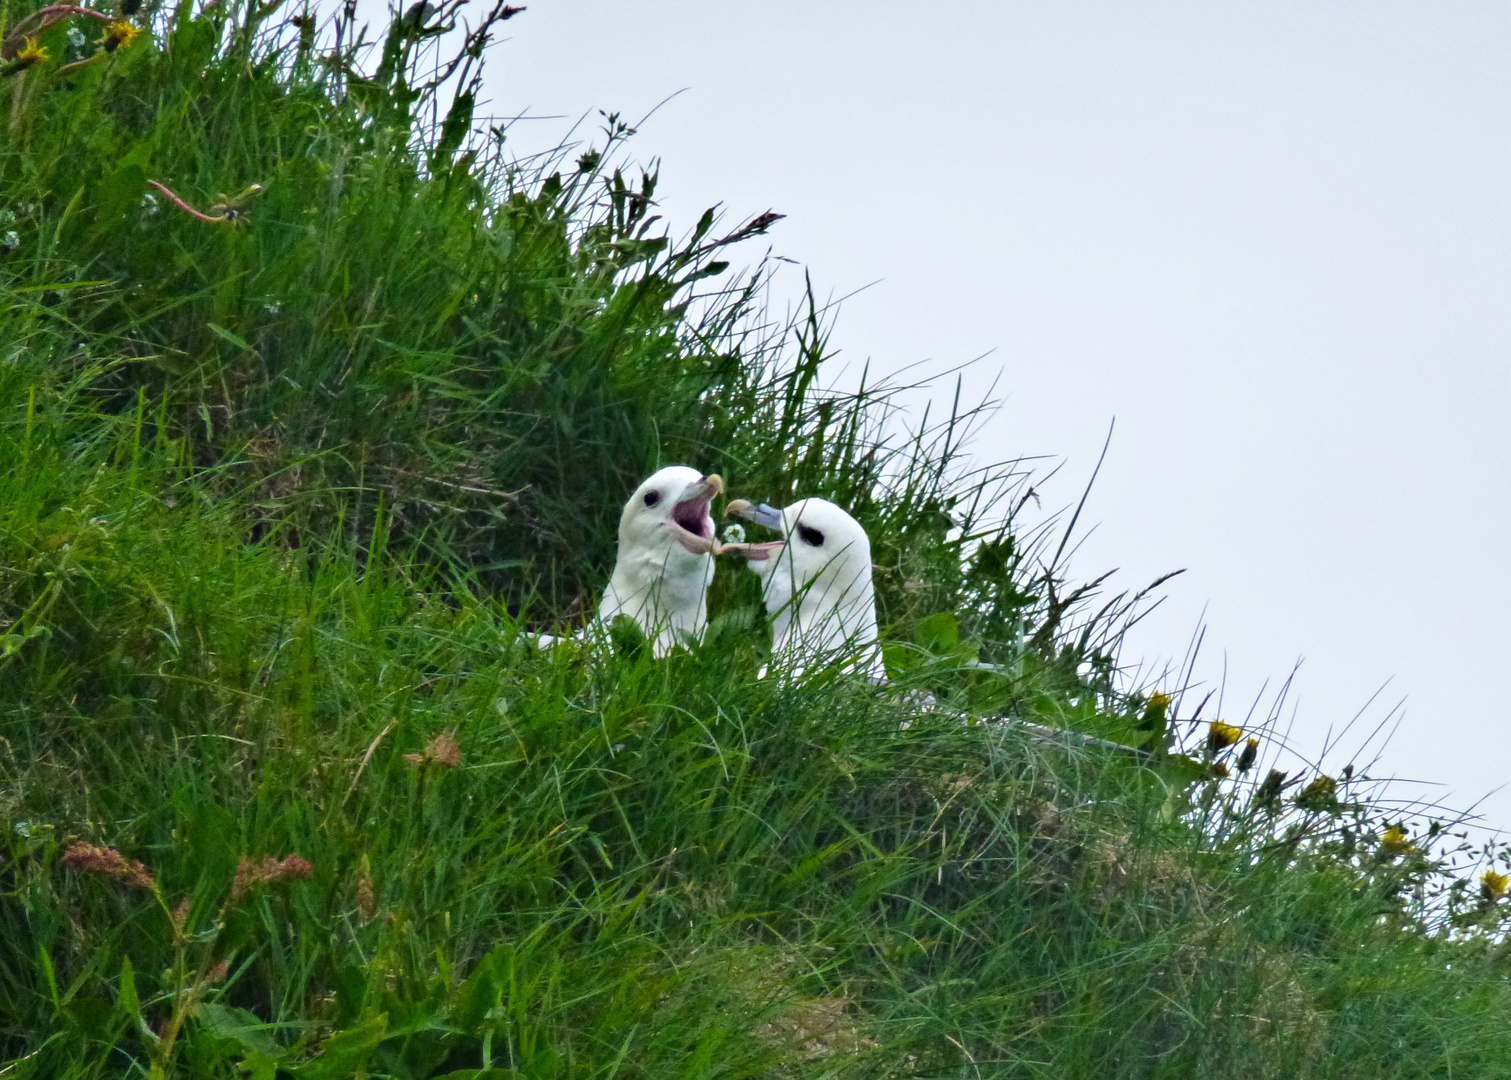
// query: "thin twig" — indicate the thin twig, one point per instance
point(186, 208)
point(372, 748)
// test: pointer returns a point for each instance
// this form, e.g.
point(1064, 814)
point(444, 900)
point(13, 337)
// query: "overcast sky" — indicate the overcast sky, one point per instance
point(1272, 239)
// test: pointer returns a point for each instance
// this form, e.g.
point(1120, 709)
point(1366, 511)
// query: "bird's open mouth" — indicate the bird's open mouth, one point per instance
point(691, 523)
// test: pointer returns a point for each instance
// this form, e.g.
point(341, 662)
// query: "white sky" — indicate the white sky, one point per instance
point(1272, 239)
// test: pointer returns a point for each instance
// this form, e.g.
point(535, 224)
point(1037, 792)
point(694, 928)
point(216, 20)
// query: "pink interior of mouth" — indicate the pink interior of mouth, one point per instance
point(693, 516)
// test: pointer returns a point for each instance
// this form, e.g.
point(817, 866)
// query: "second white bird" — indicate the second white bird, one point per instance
point(817, 585)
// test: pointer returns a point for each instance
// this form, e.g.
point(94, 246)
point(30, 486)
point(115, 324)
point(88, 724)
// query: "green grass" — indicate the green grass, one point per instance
point(280, 501)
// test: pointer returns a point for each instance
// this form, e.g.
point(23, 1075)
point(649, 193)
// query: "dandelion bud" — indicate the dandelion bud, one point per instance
point(367, 899)
point(1249, 755)
point(1267, 797)
point(1320, 795)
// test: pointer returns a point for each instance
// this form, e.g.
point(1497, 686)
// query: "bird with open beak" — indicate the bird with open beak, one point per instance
point(816, 582)
point(665, 562)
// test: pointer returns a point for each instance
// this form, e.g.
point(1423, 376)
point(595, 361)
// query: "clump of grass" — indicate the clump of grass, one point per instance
point(285, 789)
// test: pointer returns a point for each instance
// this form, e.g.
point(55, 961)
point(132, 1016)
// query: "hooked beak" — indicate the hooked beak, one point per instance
point(691, 524)
point(768, 516)
point(765, 515)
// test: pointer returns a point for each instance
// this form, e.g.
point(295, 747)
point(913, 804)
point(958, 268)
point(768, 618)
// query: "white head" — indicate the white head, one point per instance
point(671, 507)
point(817, 580)
point(664, 564)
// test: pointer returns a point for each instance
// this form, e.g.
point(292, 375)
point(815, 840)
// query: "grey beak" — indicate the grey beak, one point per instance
point(761, 514)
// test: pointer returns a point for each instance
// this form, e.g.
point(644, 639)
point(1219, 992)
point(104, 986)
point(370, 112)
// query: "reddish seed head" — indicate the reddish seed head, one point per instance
point(251, 873)
point(109, 863)
point(443, 750)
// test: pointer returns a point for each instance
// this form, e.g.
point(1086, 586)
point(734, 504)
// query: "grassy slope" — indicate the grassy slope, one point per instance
point(277, 501)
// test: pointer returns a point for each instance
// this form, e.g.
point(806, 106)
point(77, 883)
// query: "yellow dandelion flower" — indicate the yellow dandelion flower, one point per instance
point(1220, 736)
point(31, 53)
point(119, 34)
point(1393, 842)
point(1493, 886)
point(1158, 700)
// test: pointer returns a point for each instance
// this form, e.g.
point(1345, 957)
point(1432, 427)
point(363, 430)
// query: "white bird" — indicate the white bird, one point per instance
point(816, 582)
point(665, 561)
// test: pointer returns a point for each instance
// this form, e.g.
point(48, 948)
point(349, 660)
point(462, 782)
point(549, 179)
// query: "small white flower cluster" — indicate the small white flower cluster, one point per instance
point(734, 534)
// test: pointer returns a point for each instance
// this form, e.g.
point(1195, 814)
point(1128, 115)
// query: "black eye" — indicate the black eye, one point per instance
point(652, 498)
point(810, 535)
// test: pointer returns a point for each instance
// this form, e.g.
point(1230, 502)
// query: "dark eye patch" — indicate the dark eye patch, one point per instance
point(652, 498)
point(810, 535)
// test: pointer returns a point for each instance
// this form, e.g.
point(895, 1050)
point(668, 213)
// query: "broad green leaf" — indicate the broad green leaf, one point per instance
point(239, 1025)
point(345, 1053)
point(126, 1000)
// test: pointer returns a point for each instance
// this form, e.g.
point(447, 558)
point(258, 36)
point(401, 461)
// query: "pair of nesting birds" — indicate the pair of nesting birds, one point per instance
point(816, 580)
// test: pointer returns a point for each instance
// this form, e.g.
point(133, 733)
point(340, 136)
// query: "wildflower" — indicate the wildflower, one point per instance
point(1320, 795)
point(1249, 755)
point(76, 39)
point(181, 915)
point(29, 54)
point(1393, 842)
point(9, 242)
point(267, 870)
point(1493, 885)
point(1220, 736)
point(1218, 771)
point(1155, 709)
point(443, 750)
point(119, 34)
point(109, 863)
point(734, 534)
